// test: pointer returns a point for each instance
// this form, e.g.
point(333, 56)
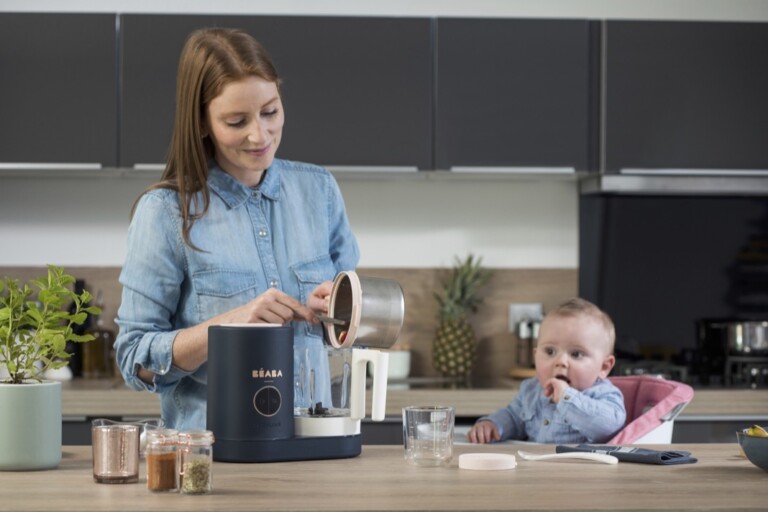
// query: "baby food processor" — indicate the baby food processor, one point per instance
point(269, 401)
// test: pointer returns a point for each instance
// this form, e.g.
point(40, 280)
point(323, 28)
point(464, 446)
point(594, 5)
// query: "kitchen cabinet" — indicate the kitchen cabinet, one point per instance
point(686, 97)
point(356, 91)
point(58, 93)
point(517, 93)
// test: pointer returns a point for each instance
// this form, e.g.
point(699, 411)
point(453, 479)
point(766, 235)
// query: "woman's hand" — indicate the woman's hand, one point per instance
point(273, 307)
point(320, 298)
point(190, 348)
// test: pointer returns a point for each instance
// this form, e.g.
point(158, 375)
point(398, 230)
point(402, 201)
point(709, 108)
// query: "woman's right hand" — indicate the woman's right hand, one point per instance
point(190, 347)
point(273, 307)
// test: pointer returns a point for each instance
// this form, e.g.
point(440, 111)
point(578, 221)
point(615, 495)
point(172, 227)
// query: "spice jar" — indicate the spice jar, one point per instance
point(195, 461)
point(161, 457)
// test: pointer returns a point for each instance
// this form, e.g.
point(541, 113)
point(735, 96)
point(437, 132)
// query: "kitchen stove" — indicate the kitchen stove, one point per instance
point(746, 371)
point(729, 354)
point(663, 369)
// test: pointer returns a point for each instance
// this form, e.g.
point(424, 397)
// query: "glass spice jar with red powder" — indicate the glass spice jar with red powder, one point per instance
point(162, 460)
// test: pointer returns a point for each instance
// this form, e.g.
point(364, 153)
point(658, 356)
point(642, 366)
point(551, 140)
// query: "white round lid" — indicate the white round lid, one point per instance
point(487, 461)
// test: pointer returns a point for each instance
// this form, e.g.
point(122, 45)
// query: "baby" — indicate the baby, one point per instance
point(570, 400)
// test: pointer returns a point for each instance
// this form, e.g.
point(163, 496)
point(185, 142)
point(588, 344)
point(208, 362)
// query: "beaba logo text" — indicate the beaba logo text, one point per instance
point(261, 373)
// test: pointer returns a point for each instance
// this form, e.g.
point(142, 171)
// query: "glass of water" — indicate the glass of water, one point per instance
point(428, 434)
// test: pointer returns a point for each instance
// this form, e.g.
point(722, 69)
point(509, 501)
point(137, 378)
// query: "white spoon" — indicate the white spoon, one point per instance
point(597, 457)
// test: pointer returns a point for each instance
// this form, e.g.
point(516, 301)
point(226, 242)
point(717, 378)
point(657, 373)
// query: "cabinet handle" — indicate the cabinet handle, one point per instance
point(332, 168)
point(148, 167)
point(52, 166)
point(514, 170)
point(73, 419)
point(694, 172)
point(372, 168)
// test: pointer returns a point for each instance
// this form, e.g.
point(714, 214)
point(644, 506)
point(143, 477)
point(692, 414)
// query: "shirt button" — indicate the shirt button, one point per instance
point(273, 283)
point(546, 422)
point(567, 397)
point(262, 232)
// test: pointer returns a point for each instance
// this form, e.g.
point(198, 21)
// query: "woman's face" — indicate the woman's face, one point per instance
point(245, 124)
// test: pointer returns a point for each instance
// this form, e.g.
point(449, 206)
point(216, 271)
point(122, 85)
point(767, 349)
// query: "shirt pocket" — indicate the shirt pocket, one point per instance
point(219, 291)
point(547, 428)
point(310, 274)
point(531, 423)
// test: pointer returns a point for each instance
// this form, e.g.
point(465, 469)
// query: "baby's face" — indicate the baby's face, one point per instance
point(574, 349)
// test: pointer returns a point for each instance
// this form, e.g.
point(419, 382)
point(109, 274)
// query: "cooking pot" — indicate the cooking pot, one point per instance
point(749, 337)
point(371, 309)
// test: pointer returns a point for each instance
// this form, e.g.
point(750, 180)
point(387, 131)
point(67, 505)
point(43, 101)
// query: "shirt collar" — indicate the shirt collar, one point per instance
point(234, 193)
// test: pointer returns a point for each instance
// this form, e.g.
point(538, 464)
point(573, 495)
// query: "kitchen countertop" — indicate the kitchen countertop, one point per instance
point(99, 398)
point(381, 480)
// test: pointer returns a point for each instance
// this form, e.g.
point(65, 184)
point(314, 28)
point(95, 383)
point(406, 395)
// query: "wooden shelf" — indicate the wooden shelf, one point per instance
point(522, 373)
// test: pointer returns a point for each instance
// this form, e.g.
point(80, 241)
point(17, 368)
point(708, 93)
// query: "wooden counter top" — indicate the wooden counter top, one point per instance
point(112, 398)
point(381, 480)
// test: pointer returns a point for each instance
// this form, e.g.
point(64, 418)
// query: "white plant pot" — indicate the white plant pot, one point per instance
point(30, 426)
point(399, 364)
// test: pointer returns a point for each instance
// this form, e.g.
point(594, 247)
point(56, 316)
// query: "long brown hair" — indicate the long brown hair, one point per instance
point(211, 58)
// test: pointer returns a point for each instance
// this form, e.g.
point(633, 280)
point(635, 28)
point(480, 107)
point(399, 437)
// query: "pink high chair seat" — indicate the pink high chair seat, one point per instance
point(652, 405)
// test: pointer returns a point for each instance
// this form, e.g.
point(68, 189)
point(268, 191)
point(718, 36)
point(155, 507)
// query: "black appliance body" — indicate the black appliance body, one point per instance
point(251, 399)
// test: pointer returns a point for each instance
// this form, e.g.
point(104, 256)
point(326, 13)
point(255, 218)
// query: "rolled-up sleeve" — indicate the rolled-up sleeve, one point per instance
point(151, 277)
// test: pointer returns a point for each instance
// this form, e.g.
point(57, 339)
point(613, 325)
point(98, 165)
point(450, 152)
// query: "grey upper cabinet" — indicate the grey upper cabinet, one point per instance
point(517, 93)
point(58, 90)
point(356, 91)
point(686, 96)
point(151, 46)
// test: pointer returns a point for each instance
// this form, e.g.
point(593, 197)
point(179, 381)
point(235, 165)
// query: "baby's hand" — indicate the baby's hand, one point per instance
point(483, 432)
point(554, 389)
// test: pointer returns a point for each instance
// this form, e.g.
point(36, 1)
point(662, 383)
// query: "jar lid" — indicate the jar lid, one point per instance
point(196, 437)
point(162, 436)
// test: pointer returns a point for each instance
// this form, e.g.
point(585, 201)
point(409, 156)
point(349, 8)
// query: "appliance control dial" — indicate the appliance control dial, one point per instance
point(267, 401)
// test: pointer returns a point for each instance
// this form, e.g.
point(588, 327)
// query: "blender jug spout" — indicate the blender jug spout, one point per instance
point(380, 363)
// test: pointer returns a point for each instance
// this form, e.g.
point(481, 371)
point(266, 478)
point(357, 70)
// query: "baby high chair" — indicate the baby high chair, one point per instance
point(652, 405)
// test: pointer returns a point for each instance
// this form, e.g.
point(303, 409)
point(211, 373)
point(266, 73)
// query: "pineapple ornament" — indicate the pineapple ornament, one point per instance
point(454, 345)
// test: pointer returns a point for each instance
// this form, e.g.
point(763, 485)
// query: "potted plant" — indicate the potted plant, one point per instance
point(36, 321)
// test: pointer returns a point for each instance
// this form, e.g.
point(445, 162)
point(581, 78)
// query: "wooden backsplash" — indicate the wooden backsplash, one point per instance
point(496, 346)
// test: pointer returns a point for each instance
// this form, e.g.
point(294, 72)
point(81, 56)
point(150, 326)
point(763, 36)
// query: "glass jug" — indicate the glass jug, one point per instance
point(329, 394)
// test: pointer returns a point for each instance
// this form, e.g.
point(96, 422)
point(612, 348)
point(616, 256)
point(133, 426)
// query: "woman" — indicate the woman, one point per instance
point(230, 234)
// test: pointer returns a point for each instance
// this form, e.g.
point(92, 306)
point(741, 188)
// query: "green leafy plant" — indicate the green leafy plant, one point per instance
point(34, 331)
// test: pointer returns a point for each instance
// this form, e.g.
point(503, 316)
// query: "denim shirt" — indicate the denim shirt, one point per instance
point(290, 232)
point(593, 415)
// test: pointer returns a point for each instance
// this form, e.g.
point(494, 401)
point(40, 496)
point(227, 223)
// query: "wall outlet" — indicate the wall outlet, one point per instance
point(526, 311)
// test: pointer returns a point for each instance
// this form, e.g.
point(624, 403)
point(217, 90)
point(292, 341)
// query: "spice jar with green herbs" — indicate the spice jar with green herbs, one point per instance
point(161, 458)
point(195, 461)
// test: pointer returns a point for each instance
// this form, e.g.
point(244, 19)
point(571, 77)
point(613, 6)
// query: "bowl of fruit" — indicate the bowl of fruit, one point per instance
point(754, 444)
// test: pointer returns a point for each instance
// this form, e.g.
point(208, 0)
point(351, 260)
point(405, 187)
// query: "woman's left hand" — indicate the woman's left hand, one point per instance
point(320, 298)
